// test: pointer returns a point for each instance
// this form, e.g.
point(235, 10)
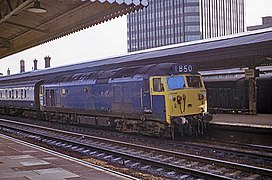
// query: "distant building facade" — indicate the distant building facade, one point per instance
point(266, 23)
point(166, 22)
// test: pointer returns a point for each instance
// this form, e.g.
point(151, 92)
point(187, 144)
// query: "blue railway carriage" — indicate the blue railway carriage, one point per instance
point(161, 99)
point(19, 97)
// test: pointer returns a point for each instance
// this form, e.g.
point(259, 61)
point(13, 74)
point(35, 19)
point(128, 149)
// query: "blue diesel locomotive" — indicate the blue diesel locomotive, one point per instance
point(158, 99)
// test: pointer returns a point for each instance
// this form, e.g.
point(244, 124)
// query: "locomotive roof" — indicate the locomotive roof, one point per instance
point(121, 74)
point(158, 55)
point(104, 76)
point(20, 84)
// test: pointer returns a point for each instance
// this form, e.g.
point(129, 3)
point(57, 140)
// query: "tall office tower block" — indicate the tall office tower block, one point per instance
point(166, 22)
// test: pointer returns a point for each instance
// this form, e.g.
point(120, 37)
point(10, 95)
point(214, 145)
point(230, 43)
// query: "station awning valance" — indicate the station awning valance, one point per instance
point(27, 23)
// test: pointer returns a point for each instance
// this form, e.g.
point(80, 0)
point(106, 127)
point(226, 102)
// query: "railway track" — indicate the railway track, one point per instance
point(250, 154)
point(164, 162)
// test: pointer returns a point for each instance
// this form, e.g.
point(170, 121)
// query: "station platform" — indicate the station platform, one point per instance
point(22, 161)
point(259, 120)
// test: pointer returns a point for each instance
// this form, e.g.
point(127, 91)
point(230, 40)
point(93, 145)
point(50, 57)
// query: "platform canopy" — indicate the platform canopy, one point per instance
point(28, 23)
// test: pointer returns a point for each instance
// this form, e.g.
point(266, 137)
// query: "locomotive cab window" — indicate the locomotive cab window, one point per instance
point(175, 82)
point(194, 81)
point(157, 85)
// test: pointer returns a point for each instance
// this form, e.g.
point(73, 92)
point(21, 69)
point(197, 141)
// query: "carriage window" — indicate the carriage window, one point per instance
point(12, 94)
point(175, 82)
point(157, 85)
point(16, 94)
point(22, 93)
point(194, 81)
point(25, 93)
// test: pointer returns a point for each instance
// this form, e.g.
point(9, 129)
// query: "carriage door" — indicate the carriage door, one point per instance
point(50, 97)
point(57, 98)
point(157, 97)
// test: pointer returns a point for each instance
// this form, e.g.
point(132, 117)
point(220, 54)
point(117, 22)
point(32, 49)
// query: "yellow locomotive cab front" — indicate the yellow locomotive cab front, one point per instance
point(185, 96)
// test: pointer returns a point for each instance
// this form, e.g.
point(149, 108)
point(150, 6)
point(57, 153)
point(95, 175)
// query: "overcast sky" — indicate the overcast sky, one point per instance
point(101, 41)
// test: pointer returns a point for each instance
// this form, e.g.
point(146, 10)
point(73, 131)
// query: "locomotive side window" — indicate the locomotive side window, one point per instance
point(194, 81)
point(175, 82)
point(157, 85)
point(85, 90)
point(64, 91)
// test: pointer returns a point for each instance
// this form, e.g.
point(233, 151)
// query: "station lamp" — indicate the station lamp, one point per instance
point(37, 8)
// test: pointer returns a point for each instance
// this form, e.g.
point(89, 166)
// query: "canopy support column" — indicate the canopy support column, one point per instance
point(252, 90)
point(252, 98)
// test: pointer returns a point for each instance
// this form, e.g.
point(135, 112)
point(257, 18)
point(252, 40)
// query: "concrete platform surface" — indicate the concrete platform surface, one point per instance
point(259, 120)
point(19, 161)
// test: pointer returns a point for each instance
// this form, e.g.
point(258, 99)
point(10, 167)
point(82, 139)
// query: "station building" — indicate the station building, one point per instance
point(166, 22)
point(266, 23)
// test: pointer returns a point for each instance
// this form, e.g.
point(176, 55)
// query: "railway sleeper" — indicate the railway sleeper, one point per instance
point(31, 114)
point(3, 110)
